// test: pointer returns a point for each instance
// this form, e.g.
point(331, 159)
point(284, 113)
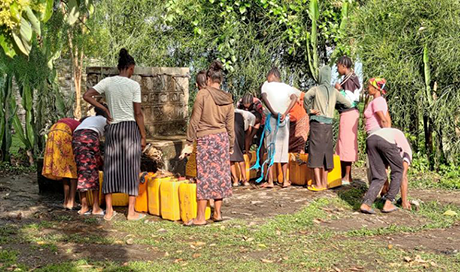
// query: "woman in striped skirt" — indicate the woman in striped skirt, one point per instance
point(125, 136)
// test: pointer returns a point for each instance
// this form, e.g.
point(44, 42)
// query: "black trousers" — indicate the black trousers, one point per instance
point(380, 153)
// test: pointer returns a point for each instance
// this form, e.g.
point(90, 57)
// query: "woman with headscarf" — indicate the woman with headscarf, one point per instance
point(375, 114)
point(212, 126)
point(347, 142)
point(320, 102)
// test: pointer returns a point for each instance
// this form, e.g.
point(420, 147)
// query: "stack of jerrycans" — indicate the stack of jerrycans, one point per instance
point(300, 174)
point(118, 199)
point(142, 199)
point(188, 203)
point(153, 191)
point(169, 199)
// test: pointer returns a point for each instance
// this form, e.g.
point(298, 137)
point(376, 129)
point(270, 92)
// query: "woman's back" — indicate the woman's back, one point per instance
point(120, 93)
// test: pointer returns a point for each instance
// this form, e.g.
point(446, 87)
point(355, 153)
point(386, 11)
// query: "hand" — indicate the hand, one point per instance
point(338, 86)
point(187, 150)
point(283, 116)
point(231, 151)
point(108, 116)
point(406, 205)
point(314, 112)
point(143, 143)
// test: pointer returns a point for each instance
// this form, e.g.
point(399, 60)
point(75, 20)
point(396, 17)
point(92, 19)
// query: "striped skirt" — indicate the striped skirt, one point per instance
point(122, 159)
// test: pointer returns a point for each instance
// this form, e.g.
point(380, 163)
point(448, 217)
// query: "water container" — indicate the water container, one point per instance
point(153, 190)
point(142, 202)
point(334, 177)
point(188, 203)
point(299, 173)
point(169, 199)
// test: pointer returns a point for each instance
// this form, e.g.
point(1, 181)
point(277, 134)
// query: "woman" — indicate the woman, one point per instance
point(299, 127)
point(125, 136)
point(212, 126)
point(237, 157)
point(86, 147)
point(375, 114)
point(347, 143)
point(320, 103)
point(252, 104)
point(59, 161)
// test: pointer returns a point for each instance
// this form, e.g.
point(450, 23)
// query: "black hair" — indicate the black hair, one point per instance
point(275, 72)
point(125, 60)
point(201, 78)
point(345, 61)
point(248, 98)
point(100, 111)
point(215, 72)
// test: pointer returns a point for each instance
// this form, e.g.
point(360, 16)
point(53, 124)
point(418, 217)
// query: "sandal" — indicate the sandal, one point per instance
point(235, 184)
point(88, 212)
point(286, 184)
point(371, 211)
point(139, 217)
point(191, 223)
point(110, 218)
point(390, 210)
point(314, 189)
point(246, 183)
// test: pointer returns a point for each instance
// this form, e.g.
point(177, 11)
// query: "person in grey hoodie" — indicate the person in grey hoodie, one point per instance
point(320, 102)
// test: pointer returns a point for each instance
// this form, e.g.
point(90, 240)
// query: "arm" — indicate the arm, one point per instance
point(342, 99)
point(230, 126)
point(139, 116)
point(291, 105)
point(250, 133)
point(307, 101)
point(384, 123)
point(389, 118)
point(195, 118)
point(89, 97)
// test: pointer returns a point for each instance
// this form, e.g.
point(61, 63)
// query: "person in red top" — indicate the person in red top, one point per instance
point(299, 127)
point(59, 161)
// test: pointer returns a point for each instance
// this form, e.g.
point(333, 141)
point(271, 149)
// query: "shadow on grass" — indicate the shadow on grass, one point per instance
point(353, 194)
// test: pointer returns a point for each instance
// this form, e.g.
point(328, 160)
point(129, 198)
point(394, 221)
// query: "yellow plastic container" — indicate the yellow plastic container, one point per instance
point(169, 199)
point(142, 201)
point(278, 173)
point(188, 203)
point(118, 199)
point(299, 173)
point(334, 177)
point(190, 167)
point(153, 191)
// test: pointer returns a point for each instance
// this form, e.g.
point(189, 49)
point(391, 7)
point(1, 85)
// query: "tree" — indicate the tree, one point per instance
point(410, 43)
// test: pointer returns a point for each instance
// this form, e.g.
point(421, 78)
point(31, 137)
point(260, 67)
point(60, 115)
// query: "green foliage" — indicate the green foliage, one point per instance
point(410, 43)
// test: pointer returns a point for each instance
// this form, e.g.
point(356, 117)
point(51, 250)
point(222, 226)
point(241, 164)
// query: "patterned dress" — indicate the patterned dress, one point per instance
point(88, 159)
point(59, 161)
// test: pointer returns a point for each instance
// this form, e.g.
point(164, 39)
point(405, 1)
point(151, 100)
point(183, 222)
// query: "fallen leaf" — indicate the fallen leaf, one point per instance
point(196, 255)
point(262, 245)
point(390, 246)
point(267, 261)
point(407, 259)
point(337, 269)
point(130, 241)
point(450, 213)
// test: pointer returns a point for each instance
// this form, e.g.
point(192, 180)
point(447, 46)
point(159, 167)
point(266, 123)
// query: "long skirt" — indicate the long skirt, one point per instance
point(347, 142)
point(122, 159)
point(280, 139)
point(88, 159)
point(320, 150)
point(237, 155)
point(59, 160)
point(298, 134)
point(213, 167)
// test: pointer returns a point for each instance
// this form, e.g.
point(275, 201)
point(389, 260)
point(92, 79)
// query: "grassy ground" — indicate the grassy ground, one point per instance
point(301, 241)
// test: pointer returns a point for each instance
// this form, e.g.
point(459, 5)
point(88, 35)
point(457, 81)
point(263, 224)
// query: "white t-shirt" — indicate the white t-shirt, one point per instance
point(95, 123)
point(120, 93)
point(249, 118)
point(279, 95)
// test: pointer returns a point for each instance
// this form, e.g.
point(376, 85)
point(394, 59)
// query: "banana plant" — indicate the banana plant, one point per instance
point(427, 74)
point(312, 39)
point(6, 116)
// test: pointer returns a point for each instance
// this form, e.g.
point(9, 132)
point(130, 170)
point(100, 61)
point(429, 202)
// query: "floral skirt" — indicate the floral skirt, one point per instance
point(59, 161)
point(88, 159)
point(213, 167)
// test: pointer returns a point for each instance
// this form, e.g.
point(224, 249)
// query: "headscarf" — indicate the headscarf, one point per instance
point(378, 83)
point(324, 80)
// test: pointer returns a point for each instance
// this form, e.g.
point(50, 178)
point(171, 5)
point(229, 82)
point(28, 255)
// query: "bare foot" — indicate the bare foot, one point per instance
point(133, 216)
point(389, 207)
point(286, 184)
point(83, 211)
point(267, 185)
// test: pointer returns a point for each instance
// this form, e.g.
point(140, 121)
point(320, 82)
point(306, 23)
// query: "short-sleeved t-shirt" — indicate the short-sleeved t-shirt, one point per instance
point(94, 123)
point(376, 105)
point(120, 93)
point(249, 118)
point(279, 95)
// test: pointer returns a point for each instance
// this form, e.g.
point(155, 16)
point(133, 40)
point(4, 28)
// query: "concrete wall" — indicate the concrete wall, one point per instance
point(165, 94)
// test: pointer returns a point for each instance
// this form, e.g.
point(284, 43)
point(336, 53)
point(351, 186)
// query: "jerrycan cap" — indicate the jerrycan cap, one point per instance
point(181, 178)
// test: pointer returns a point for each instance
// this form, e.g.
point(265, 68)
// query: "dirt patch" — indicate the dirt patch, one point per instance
point(442, 196)
point(440, 241)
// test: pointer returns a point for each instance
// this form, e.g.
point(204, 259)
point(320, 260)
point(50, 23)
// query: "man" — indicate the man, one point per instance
point(279, 98)
point(320, 102)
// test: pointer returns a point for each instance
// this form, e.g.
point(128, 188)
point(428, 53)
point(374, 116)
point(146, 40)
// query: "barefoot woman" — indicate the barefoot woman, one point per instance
point(125, 136)
point(211, 125)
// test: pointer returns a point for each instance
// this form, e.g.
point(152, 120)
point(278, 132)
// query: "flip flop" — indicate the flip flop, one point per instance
point(100, 213)
point(345, 183)
point(371, 211)
point(246, 183)
point(191, 223)
point(391, 210)
point(314, 189)
point(267, 186)
point(140, 217)
point(236, 184)
point(286, 185)
point(88, 212)
point(110, 219)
